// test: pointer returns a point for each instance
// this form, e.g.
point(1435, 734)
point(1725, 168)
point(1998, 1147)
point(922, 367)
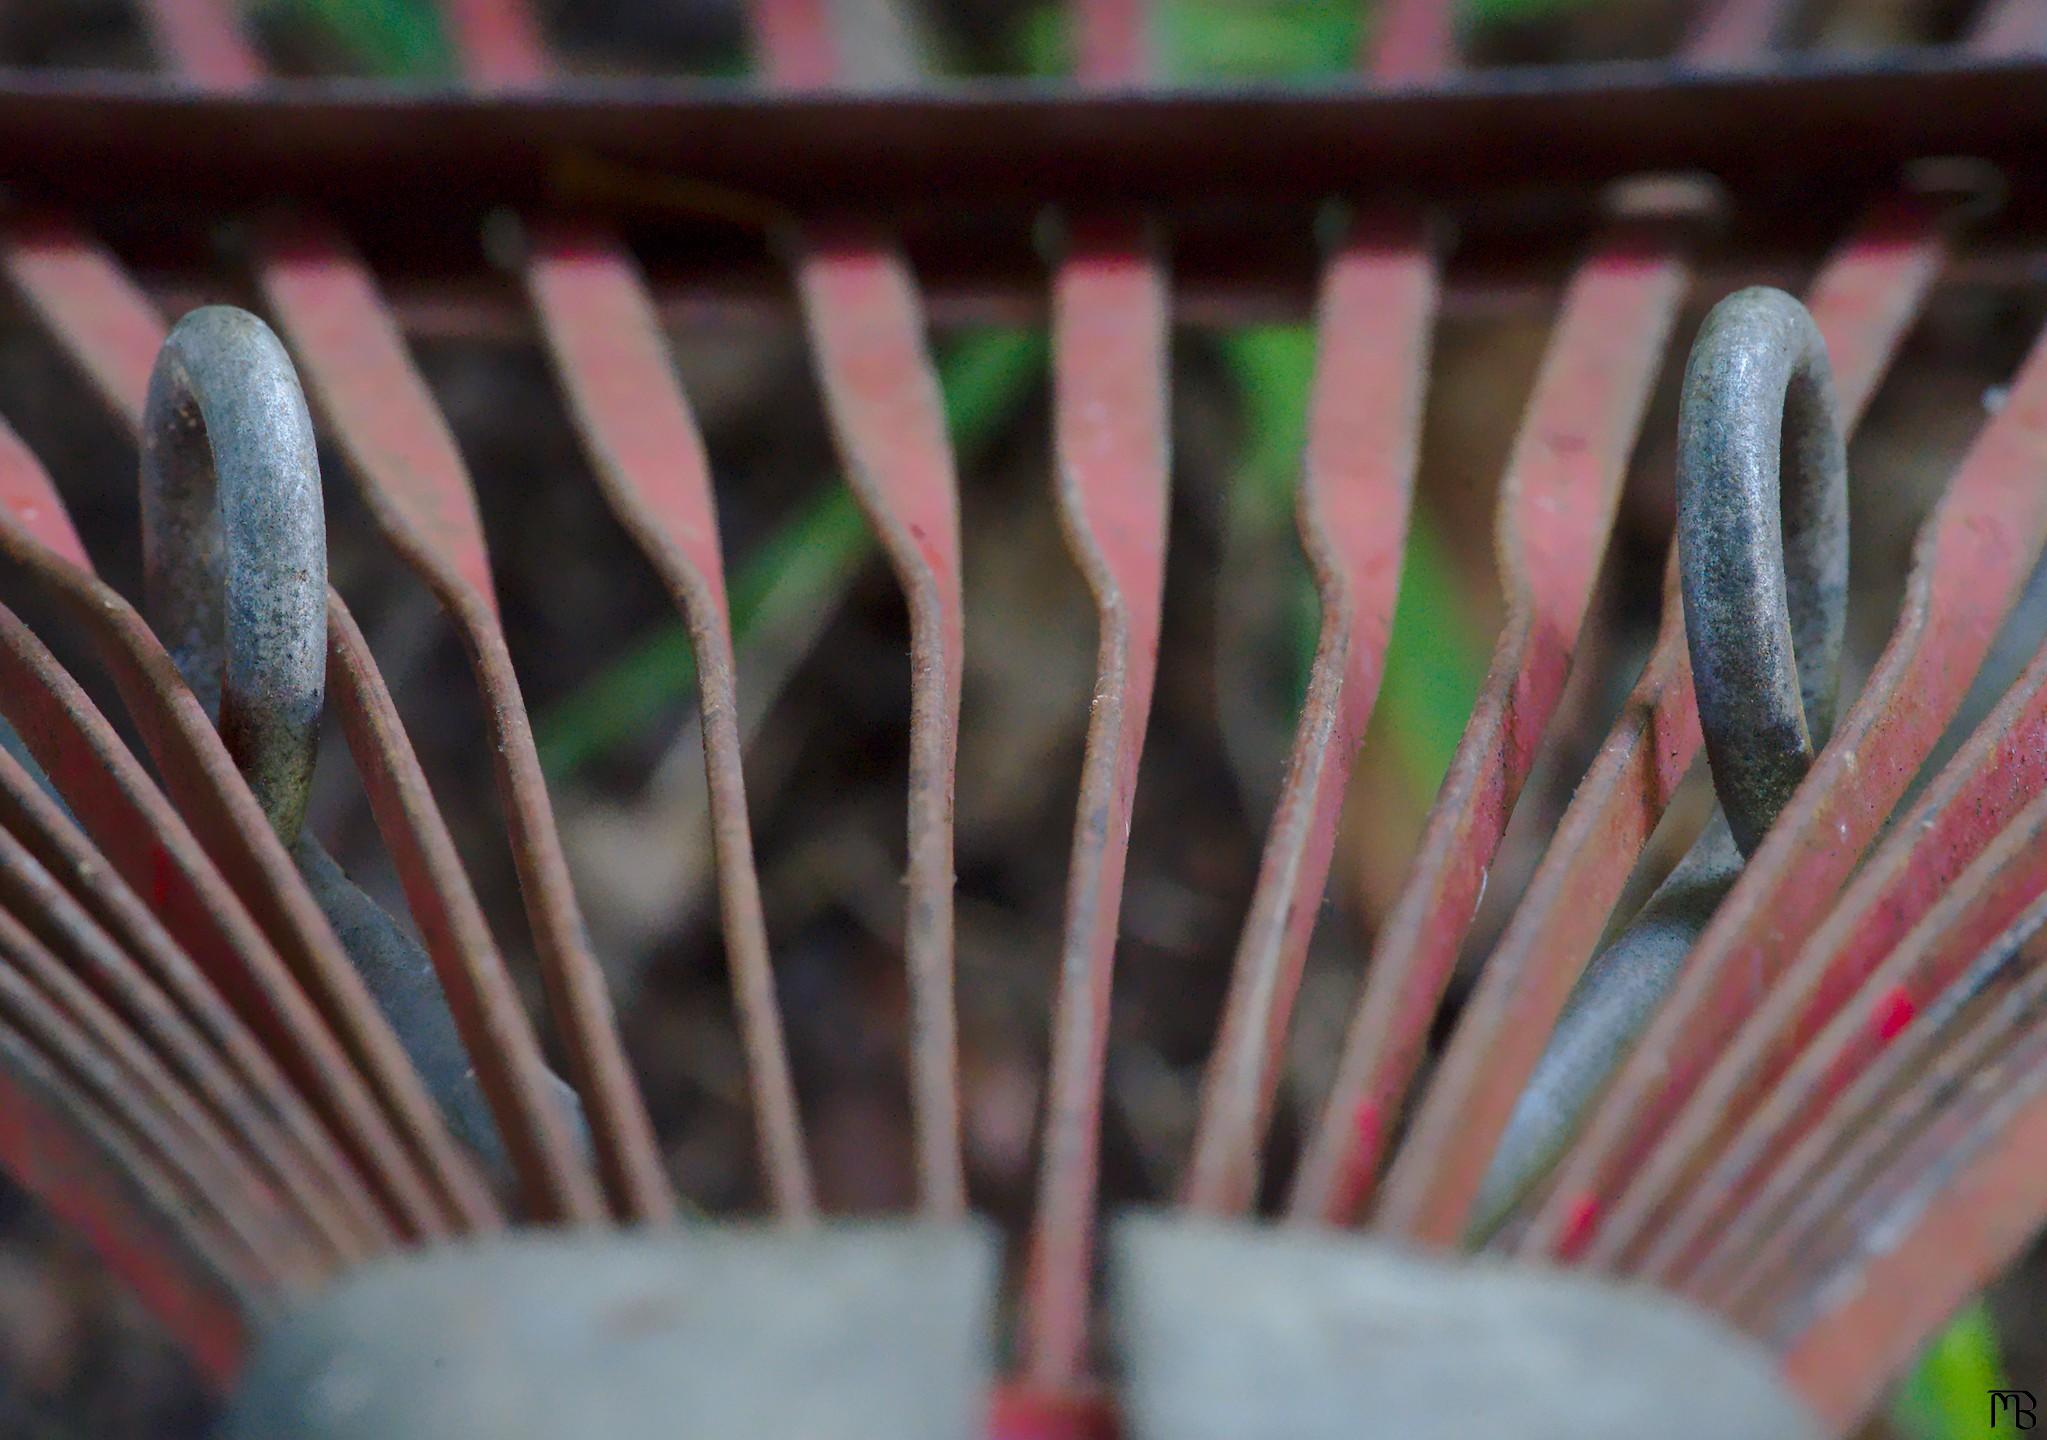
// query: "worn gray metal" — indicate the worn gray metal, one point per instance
point(234, 543)
point(1238, 1332)
point(1764, 570)
point(1763, 565)
point(234, 546)
point(855, 1331)
point(1609, 1007)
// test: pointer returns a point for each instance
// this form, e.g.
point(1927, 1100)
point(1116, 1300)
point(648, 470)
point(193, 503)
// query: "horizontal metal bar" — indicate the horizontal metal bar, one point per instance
point(754, 158)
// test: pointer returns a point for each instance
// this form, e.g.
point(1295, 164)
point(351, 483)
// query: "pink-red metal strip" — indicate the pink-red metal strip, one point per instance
point(61, 849)
point(355, 363)
point(628, 404)
point(868, 345)
point(1112, 437)
point(44, 1000)
point(1864, 301)
point(554, 1181)
point(128, 997)
point(867, 335)
point(1375, 324)
point(147, 841)
point(383, 418)
point(1976, 905)
point(1871, 287)
point(1768, 1237)
point(1940, 1250)
point(62, 1149)
point(212, 797)
point(1556, 508)
point(1971, 560)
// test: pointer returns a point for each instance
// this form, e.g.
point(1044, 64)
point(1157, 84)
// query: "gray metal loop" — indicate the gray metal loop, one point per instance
point(234, 546)
point(1764, 567)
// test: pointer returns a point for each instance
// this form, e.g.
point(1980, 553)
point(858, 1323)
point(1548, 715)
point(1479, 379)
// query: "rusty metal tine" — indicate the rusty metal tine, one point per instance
point(1969, 805)
point(74, 292)
point(868, 346)
point(644, 447)
point(1894, 889)
point(1556, 507)
point(413, 478)
point(386, 422)
point(2001, 987)
point(1897, 1162)
point(1112, 424)
point(1978, 904)
point(62, 925)
point(148, 841)
point(1972, 557)
point(554, 1180)
point(202, 777)
point(60, 1146)
point(867, 336)
point(613, 364)
point(61, 848)
point(1374, 329)
point(1864, 300)
point(1435, 1175)
point(1937, 1249)
point(269, 1247)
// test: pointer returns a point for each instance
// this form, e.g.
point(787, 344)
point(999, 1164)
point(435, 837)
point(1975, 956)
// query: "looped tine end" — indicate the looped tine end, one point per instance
point(234, 546)
point(1764, 563)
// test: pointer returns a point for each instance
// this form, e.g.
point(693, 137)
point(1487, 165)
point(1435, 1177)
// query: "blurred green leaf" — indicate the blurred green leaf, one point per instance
point(390, 37)
point(1947, 1395)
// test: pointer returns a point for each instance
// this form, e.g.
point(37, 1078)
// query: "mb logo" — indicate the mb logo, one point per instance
point(2012, 1406)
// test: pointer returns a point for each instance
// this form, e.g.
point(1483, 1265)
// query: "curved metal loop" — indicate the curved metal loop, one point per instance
point(1763, 563)
point(234, 546)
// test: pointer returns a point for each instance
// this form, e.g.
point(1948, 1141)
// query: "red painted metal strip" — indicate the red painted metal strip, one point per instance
point(121, 1004)
point(1972, 558)
point(1375, 323)
point(1871, 288)
point(63, 851)
point(75, 288)
point(1556, 507)
point(867, 338)
point(1941, 1250)
point(555, 1183)
point(1112, 421)
point(62, 1016)
point(867, 342)
point(627, 401)
point(1864, 300)
point(1113, 436)
point(355, 364)
point(61, 1148)
point(1769, 1236)
point(1970, 910)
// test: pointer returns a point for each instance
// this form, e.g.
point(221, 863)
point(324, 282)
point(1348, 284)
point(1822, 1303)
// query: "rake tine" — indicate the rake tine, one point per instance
point(1375, 326)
